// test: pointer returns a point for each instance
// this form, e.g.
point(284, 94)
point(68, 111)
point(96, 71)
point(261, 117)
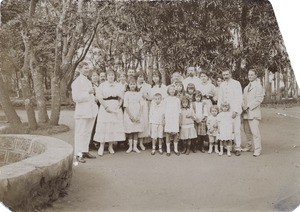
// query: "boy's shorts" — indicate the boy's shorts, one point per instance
point(156, 131)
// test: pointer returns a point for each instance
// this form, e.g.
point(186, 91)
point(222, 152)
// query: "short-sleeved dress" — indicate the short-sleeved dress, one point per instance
point(211, 123)
point(132, 101)
point(145, 89)
point(110, 127)
point(172, 111)
point(225, 124)
point(187, 130)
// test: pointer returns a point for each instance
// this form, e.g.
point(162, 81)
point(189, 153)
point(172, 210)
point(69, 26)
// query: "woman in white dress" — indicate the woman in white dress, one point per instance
point(110, 126)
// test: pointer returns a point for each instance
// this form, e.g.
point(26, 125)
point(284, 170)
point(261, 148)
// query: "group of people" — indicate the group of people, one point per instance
point(114, 107)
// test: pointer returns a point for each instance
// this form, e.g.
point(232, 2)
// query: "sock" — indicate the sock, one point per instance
point(176, 147)
point(168, 148)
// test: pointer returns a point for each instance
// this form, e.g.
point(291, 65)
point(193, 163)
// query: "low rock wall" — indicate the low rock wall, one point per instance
point(35, 170)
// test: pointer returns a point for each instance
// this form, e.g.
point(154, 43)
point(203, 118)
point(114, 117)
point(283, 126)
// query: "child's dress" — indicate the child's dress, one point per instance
point(225, 124)
point(132, 101)
point(211, 123)
point(200, 111)
point(187, 130)
point(156, 115)
point(172, 111)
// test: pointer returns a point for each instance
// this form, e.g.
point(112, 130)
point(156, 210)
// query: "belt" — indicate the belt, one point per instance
point(111, 98)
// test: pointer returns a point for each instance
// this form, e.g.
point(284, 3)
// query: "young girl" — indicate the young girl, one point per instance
point(200, 119)
point(158, 86)
point(156, 119)
point(144, 88)
point(132, 115)
point(190, 91)
point(207, 89)
point(172, 116)
point(122, 79)
point(187, 130)
point(225, 128)
point(212, 129)
point(219, 80)
point(180, 89)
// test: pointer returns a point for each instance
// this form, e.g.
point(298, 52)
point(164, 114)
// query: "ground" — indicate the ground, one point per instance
point(135, 182)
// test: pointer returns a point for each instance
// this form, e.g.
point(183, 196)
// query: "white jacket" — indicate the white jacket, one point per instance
point(231, 92)
point(86, 106)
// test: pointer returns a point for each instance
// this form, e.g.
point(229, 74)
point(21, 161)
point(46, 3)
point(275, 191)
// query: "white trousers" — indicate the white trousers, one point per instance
point(237, 132)
point(251, 128)
point(83, 130)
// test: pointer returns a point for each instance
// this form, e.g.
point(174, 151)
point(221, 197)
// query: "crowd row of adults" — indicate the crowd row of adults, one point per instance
point(244, 106)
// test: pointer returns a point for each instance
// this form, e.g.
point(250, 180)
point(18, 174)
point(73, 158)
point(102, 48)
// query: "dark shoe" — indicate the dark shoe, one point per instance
point(88, 155)
point(237, 153)
point(80, 159)
point(177, 153)
point(96, 145)
point(168, 154)
point(194, 149)
point(202, 150)
point(187, 151)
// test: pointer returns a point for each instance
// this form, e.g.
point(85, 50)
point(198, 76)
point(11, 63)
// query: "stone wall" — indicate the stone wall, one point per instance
point(36, 170)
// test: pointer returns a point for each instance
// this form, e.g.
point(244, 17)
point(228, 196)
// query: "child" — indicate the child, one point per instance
point(145, 89)
point(132, 115)
point(212, 129)
point(156, 116)
point(180, 89)
point(225, 128)
point(122, 79)
point(172, 115)
point(200, 119)
point(187, 130)
point(190, 91)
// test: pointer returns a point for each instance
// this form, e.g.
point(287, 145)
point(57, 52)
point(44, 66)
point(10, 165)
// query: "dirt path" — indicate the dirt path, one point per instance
point(135, 182)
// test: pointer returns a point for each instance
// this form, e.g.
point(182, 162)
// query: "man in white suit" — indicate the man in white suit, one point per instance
point(231, 91)
point(253, 97)
point(85, 112)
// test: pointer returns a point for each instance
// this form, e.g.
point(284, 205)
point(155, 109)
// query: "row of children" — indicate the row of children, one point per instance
point(178, 117)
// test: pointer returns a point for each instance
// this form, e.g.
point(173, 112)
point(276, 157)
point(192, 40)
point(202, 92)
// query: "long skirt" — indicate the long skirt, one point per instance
point(110, 126)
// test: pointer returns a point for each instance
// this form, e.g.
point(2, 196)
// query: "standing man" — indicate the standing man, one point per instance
point(253, 97)
point(231, 91)
point(191, 78)
point(85, 112)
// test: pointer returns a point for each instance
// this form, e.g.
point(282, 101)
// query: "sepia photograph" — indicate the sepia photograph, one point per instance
point(179, 105)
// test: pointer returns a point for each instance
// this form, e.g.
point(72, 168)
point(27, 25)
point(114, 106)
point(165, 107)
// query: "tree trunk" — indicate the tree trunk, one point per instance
point(277, 89)
point(38, 84)
point(267, 87)
point(10, 112)
point(55, 100)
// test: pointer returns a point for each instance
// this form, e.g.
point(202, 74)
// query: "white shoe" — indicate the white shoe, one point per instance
point(228, 153)
point(129, 150)
point(142, 147)
point(246, 149)
point(111, 150)
point(216, 149)
point(210, 149)
point(101, 150)
point(256, 154)
point(136, 150)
